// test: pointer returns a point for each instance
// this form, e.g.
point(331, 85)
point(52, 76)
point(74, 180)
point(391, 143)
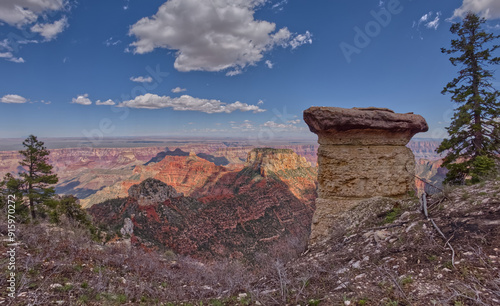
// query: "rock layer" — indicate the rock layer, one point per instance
point(267, 160)
point(152, 191)
point(362, 154)
point(239, 213)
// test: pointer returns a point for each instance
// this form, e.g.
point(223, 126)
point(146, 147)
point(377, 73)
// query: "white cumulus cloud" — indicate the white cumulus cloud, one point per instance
point(107, 102)
point(188, 103)
point(142, 79)
point(13, 99)
point(35, 16)
point(10, 57)
point(23, 12)
point(212, 35)
point(50, 30)
point(489, 9)
point(178, 89)
point(269, 64)
point(82, 99)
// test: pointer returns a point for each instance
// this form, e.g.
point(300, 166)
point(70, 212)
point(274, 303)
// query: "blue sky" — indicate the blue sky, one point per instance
point(220, 68)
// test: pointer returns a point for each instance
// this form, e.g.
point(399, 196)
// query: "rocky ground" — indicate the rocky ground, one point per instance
point(398, 257)
point(382, 252)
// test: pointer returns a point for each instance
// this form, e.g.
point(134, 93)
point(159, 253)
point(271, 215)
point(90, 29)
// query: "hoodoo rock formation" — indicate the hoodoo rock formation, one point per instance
point(362, 154)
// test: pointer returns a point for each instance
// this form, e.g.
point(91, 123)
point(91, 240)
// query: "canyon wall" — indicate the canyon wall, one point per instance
point(231, 213)
point(84, 172)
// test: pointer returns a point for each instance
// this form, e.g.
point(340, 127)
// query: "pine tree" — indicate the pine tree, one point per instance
point(473, 143)
point(38, 175)
point(11, 188)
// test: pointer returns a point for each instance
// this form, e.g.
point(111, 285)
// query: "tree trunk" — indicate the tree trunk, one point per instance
point(30, 190)
point(32, 204)
point(478, 134)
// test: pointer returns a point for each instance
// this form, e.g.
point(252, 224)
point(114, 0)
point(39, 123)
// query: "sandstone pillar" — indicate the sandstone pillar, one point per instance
point(362, 154)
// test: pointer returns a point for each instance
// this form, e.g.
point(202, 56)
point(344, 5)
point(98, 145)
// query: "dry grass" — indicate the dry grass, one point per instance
point(410, 266)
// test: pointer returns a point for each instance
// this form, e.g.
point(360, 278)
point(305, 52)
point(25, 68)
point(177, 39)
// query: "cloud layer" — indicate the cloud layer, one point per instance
point(489, 9)
point(10, 57)
point(107, 102)
point(178, 89)
point(188, 103)
point(13, 99)
point(82, 100)
point(212, 35)
point(50, 30)
point(142, 79)
point(23, 12)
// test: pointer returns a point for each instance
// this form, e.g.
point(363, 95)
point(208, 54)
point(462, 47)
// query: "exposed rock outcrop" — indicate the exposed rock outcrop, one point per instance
point(235, 214)
point(152, 192)
point(185, 173)
point(268, 160)
point(128, 227)
point(362, 154)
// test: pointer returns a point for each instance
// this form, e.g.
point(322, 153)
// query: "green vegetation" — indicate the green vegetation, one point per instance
point(34, 194)
point(14, 186)
point(68, 206)
point(313, 302)
point(474, 133)
point(406, 280)
point(38, 175)
point(363, 302)
point(392, 215)
point(432, 257)
point(34, 182)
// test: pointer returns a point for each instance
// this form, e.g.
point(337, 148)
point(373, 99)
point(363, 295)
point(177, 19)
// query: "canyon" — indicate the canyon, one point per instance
point(84, 172)
point(217, 190)
point(235, 213)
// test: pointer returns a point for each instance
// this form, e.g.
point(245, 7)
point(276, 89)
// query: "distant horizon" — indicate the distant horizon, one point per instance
point(14, 144)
